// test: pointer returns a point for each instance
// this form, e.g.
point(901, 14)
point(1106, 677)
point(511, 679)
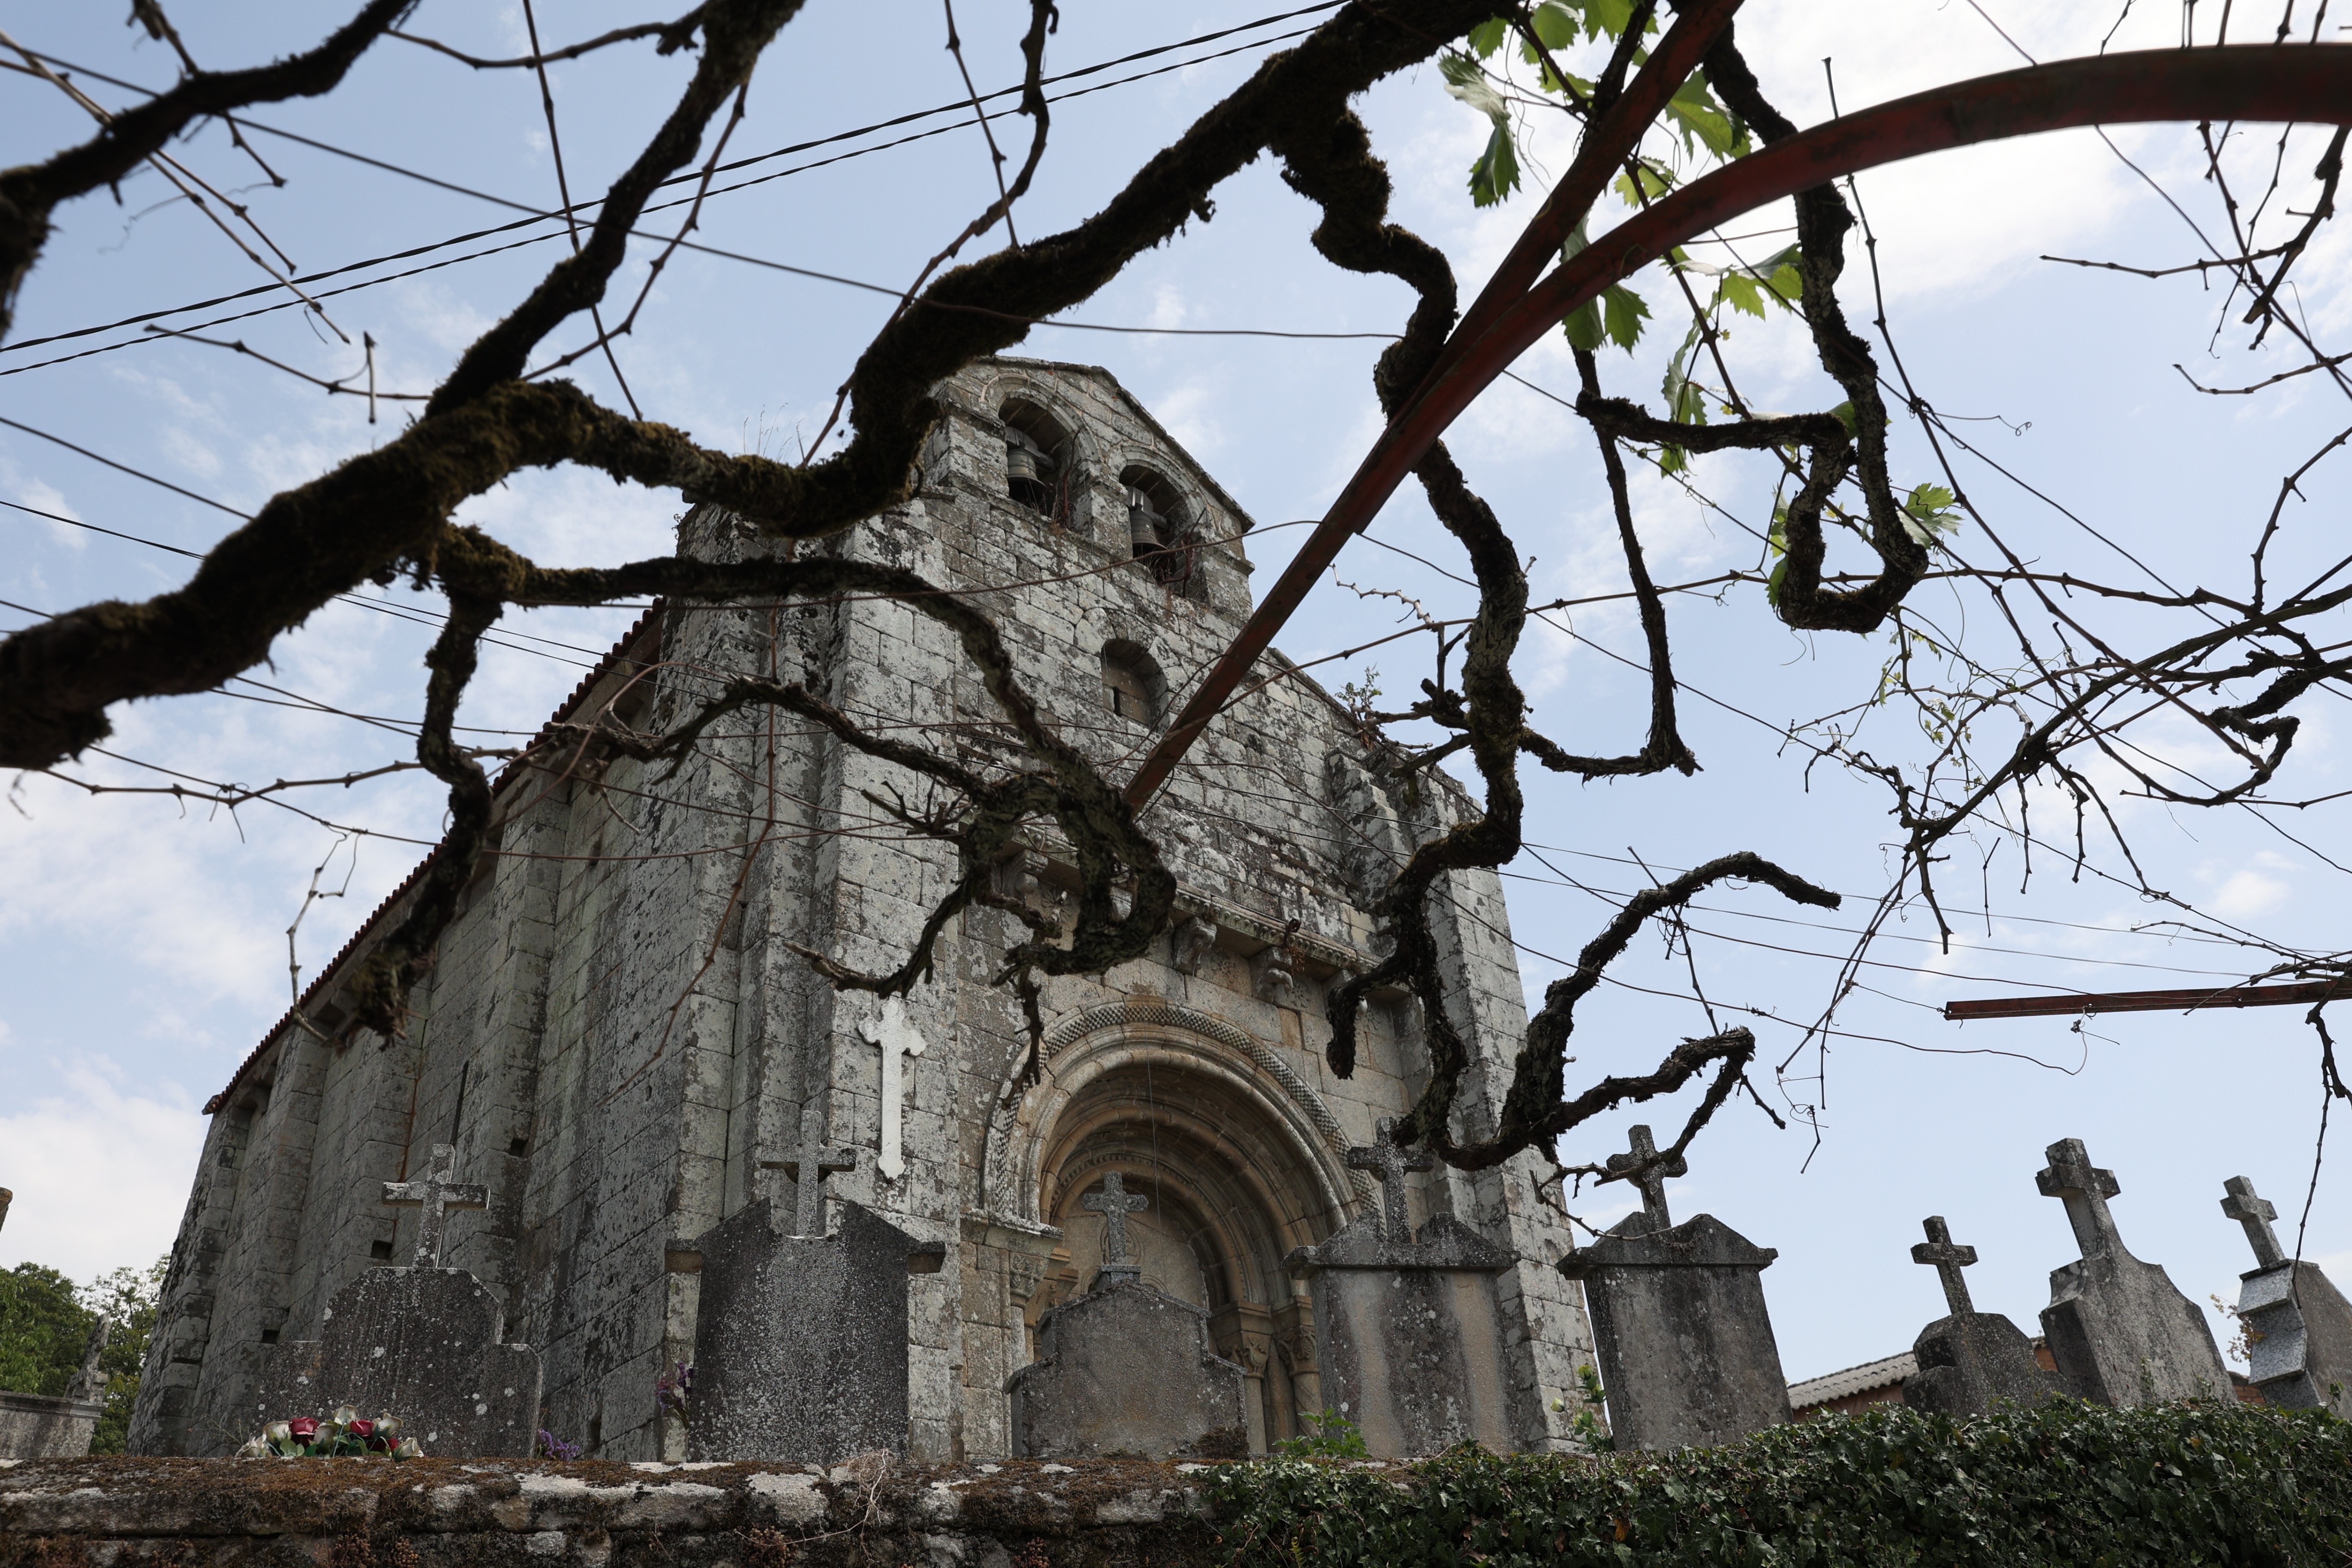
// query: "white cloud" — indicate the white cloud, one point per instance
point(100, 1174)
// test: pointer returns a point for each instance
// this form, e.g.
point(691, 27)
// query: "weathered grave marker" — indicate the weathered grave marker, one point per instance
point(421, 1342)
point(1408, 1335)
point(1125, 1370)
point(1967, 1359)
point(800, 1340)
point(1679, 1322)
point(2298, 1325)
point(2121, 1333)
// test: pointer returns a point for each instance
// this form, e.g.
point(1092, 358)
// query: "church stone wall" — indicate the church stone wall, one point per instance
point(618, 1033)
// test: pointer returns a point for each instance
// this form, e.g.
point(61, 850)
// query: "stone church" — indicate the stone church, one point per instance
point(621, 1043)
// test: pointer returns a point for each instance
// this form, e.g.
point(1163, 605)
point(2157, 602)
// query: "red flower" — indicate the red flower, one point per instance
point(303, 1426)
point(363, 1428)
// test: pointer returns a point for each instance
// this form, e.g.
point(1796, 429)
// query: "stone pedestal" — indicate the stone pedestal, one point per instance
point(1679, 1324)
point(2300, 1327)
point(1126, 1372)
point(1971, 1359)
point(1409, 1335)
point(800, 1342)
point(36, 1426)
point(422, 1343)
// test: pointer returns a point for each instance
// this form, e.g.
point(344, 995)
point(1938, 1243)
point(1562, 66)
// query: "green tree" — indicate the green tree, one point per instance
point(42, 1330)
point(130, 1296)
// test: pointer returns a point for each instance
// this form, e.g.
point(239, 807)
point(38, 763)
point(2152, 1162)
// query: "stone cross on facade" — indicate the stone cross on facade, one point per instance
point(2255, 1214)
point(808, 1168)
point(437, 1194)
point(1949, 1259)
point(2085, 1189)
point(1652, 1180)
point(1114, 1203)
point(1391, 1163)
point(895, 1036)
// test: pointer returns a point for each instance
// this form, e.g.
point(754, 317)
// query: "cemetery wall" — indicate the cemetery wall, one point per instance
point(619, 1034)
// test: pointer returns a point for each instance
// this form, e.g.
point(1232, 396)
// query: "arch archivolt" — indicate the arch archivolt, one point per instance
point(1147, 1037)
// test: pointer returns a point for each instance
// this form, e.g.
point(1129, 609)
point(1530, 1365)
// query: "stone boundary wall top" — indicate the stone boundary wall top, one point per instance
point(114, 1512)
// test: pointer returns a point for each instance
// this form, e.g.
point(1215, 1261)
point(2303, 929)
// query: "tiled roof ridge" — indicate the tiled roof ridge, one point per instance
point(1884, 1373)
point(603, 667)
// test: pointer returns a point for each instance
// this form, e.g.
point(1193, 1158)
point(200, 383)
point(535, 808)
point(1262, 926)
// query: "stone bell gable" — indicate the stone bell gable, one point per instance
point(622, 1043)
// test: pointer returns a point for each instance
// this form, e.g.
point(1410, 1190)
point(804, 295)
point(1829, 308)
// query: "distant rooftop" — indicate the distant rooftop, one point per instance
point(1853, 1380)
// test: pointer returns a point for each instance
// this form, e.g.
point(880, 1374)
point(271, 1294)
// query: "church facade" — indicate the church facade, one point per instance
point(622, 1043)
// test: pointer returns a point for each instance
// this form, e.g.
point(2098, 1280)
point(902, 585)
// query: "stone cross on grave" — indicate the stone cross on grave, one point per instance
point(2085, 1189)
point(1391, 1163)
point(1652, 1181)
point(894, 1036)
point(2255, 1214)
point(1114, 1203)
point(1949, 1259)
point(438, 1194)
point(808, 1168)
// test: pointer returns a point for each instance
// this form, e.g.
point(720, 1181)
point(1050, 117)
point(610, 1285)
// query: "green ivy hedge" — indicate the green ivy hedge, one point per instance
point(2062, 1482)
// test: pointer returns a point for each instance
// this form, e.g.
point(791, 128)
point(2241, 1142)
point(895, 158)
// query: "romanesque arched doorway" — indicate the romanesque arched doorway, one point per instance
point(1231, 1153)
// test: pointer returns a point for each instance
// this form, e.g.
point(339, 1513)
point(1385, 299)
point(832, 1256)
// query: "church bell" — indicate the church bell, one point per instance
point(1142, 523)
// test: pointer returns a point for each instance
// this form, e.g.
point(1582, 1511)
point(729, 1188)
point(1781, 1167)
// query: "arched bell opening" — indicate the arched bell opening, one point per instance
point(1037, 458)
point(1161, 530)
point(1227, 1192)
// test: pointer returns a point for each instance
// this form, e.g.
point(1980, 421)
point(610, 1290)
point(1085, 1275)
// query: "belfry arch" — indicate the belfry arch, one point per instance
point(1239, 1166)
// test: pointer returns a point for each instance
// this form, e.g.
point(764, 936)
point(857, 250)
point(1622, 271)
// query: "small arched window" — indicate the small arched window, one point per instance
point(1036, 458)
point(1131, 684)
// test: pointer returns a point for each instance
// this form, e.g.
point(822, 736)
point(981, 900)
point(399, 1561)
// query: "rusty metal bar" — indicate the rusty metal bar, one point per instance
point(2246, 82)
point(2300, 995)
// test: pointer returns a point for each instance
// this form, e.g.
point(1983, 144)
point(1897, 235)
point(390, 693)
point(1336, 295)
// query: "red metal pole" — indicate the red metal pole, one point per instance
point(2243, 82)
point(2300, 995)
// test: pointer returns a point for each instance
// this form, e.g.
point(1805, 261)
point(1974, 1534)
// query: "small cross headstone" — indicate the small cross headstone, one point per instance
point(897, 1039)
point(1391, 1163)
point(2120, 1331)
point(2255, 1214)
point(2085, 1189)
point(1679, 1321)
point(1948, 1259)
point(807, 1167)
point(1967, 1359)
point(1115, 1202)
point(2298, 1325)
point(1650, 1177)
point(438, 1194)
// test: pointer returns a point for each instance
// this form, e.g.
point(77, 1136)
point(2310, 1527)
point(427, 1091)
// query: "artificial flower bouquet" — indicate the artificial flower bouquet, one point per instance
point(340, 1436)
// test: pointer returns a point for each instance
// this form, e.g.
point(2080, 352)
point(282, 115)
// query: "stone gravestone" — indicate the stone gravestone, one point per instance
point(421, 1342)
point(2298, 1325)
point(1125, 1370)
point(1408, 1335)
point(1968, 1359)
point(1686, 1344)
point(800, 1338)
point(2119, 1332)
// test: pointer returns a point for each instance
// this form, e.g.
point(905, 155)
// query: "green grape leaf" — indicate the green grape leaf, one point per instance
point(1488, 37)
point(1495, 172)
point(1930, 511)
point(1624, 312)
point(1607, 18)
point(1555, 23)
point(1701, 119)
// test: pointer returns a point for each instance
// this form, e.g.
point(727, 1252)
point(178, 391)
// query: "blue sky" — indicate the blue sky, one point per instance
point(142, 944)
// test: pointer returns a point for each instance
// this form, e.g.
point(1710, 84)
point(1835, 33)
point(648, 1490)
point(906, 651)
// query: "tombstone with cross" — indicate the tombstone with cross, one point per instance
point(1679, 1324)
point(799, 1339)
point(2298, 1325)
point(2118, 1328)
point(1126, 1369)
point(1408, 1327)
point(1967, 1359)
point(420, 1340)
